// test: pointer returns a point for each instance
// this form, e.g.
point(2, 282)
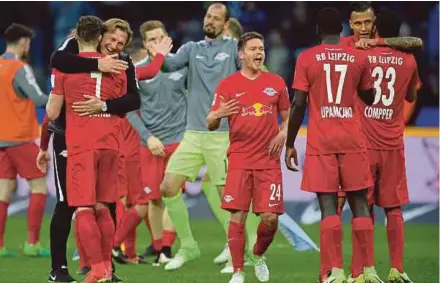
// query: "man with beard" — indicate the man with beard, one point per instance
point(20, 95)
point(208, 61)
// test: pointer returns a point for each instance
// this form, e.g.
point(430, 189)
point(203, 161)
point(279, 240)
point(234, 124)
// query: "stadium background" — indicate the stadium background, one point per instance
point(289, 28)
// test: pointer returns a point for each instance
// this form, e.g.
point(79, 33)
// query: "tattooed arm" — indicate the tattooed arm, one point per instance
point(405, 43)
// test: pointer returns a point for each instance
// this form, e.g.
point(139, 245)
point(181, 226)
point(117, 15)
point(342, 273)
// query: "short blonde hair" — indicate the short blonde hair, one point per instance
point(112, 24)
point(151, 25)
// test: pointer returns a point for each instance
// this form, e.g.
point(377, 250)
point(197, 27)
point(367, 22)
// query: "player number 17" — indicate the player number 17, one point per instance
point(98, 77)
point(275, 192)
point(328, 82)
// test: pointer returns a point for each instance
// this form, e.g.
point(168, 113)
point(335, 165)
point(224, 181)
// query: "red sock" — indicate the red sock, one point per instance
point(395, 235)
point(35, 217)
point(357, 262)
point(3, 217)
point(264, 238)
point(120, 211)
point(168, 238)
point(237, 243)
point(90, 238)
point(81, 253)
point(130, 244)
point(362, 229)
point(130, 221)
point(107, 229)
point(331, 243)
point(157, 244)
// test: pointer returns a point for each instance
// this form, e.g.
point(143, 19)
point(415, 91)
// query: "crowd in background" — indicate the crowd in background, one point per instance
point(289, 28)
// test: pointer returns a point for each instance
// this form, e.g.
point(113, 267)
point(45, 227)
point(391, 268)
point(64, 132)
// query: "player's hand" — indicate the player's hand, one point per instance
point(89, 107)
point(228, 108)
point(164, 46)
point(111, 64)
point(155, 146)
point(151, 50)
point(277, 143)
point(366, 43)
point(291, 153)
point(43, 159)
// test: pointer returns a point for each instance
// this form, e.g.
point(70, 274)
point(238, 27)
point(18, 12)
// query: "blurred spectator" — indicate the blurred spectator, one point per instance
point(65, 15)
point(278, 55)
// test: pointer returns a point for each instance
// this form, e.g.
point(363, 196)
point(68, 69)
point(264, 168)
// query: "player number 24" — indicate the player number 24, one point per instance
point(98, 77)
point(275, 192)
point(328, 82)
point(390, 75)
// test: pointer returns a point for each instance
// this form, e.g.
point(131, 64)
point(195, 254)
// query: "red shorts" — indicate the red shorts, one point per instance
point(153, 172)
point(264, 188)
point(122, 176)
point(329, 173)
point(134, 184)
point(389, 175)
point(20, 159)
point(91, 178)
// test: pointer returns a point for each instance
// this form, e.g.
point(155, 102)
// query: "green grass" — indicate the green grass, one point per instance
point(286, 264)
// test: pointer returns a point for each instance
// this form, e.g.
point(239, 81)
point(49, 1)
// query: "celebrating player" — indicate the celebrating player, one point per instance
point(20, 95)
point(329, 76)
point(208, 61)
point(251, 100)
point(395, 79)
point(161, 124)
point(92, 158)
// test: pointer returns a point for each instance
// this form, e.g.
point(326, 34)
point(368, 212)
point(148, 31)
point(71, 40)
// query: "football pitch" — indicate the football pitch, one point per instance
point(286, 265)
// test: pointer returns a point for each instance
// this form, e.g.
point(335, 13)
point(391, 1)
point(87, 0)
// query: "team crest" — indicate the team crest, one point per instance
point(269, 91)
point(175, 76)
point(221, 56)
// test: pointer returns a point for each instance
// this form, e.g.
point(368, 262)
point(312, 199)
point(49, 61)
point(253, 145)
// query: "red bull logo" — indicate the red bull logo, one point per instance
point(256, 109)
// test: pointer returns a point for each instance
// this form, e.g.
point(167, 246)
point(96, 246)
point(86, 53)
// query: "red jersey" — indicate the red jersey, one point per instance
point(100, 131)
point(332, 74)
point(252, 129)
point(348, 41)
point(394, 73)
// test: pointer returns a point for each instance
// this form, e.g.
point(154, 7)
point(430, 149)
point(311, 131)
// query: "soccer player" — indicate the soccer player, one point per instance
point(161, 133)
point(329, 77)
point(208, 61)
point(251, 100)
point(117, 34)
point(362, 19)
point(92, 157)
point(395, 80)
point(20, 95)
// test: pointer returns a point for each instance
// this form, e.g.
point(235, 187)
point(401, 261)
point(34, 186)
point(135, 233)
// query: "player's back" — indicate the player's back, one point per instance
point(393, 73)
point(332, 74)
point(99, 131)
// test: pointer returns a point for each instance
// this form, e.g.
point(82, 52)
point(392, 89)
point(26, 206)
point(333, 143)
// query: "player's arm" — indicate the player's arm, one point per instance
point(56, 97)
point(54, 105)
point(45, 133)
point(131, 100)
point(43, 155)
point(297, 111)
point(66, 60)
point(137, 123)
point(366, 91)
point(405, 43)
point(26, 86)
point(222, 107)
point(158, 52)
point(415, 83)
point(180, 59)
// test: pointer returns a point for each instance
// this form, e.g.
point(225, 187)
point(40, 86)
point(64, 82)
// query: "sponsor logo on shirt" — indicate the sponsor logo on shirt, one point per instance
point(228, 198)
point(221, 56)
point(269, 91)
point(256, 109)
point(175, 76)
